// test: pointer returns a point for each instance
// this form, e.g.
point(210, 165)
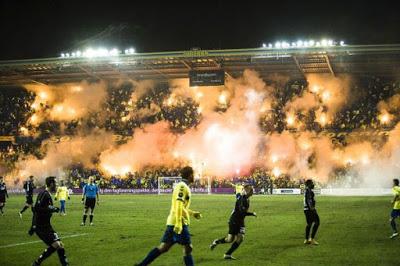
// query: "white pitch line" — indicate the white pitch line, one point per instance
point(32, 242)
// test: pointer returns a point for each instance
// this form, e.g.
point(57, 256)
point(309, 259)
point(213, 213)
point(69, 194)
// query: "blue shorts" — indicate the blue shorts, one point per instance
point(395, 213)
point(172, 238)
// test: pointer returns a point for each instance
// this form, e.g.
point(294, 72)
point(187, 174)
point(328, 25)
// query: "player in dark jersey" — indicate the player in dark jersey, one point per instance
point(28, 187)
point(42, 212)
point(311, 214)
point(3, 195)
point(236, 222)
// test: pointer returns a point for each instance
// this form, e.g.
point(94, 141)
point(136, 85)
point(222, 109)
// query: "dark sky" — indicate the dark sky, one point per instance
point(36, 28)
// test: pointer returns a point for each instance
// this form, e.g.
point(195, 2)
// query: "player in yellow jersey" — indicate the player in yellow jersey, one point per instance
point(62, 194)
point(396, 207)
point(178, 222)
point(238, 189)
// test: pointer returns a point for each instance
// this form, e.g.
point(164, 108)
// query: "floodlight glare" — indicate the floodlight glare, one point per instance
point(299, 43)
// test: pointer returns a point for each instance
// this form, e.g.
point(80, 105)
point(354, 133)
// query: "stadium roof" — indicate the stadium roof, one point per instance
point(379, 60)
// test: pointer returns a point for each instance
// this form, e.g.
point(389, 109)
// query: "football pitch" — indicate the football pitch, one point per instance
point(353, 231)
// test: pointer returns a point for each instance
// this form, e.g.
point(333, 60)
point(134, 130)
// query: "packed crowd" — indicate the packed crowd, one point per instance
point(148, 179)
point(120, 115)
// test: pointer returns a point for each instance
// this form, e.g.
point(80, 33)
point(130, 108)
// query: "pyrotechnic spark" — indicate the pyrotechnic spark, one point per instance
point(305, 145)
point(24, 131)
point(276, 171)
point(365, 160)
point(34, 119)
point(59, 108)
point(322, 119)
point(315, 89)
point(290, 119)
point(76, 89)
point(326, 95)
point(125, 118)
point(110, 169)
point(171, 100)
point(274, 158)
point(384, 118)
point(126, 169)
point(199, 95)
point(43, 95)
point(222, 99)
point(34, 106)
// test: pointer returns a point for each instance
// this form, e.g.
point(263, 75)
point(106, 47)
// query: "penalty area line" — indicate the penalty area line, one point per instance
point(38, 241)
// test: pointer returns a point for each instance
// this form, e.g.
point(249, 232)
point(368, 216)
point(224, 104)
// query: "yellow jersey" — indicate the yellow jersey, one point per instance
point(62, 193)
point(180, 212)
point(238, 189)
point(396, 192)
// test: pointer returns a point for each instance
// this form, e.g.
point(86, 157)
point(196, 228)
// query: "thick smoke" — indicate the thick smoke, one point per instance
point(227, 140)
point(81, 149)
point(67, 101)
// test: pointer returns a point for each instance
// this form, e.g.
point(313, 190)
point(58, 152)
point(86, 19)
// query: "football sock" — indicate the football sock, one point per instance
point(62, 256)
point(234, 246)
point(47, 252)
point(393, 224)
point(188, 259)
point(24, 209)
point(84, 218)
point(91, 218)
point(153, 254)
point(308, 228)
point(314, 229)
point(221, 241)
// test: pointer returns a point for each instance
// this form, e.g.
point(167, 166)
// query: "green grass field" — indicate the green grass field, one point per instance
point(353, 231)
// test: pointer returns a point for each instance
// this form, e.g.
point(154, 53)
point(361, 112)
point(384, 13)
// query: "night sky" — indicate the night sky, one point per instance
point(37, 29)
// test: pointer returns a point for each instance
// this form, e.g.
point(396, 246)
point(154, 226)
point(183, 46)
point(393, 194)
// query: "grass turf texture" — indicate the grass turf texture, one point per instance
point(353, 231)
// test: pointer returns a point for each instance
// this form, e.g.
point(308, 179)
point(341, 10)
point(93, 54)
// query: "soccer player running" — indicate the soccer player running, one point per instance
point(42, 212)
point(62, 194)
point(236, 222)
point(311, 214)
point(28, 187)
point(396, 207)
point(90, 192)
point(178, 222)
point(3, 195)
